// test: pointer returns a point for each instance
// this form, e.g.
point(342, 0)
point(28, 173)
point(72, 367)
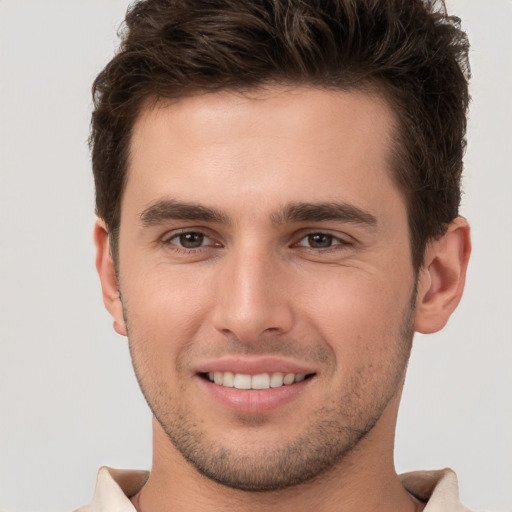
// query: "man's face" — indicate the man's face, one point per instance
point(263, 235)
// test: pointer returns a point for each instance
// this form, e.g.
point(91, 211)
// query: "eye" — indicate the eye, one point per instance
point(320, 241)
point(190, 240)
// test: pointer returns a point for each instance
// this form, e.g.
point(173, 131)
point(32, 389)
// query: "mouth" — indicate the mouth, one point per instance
point(259, 381)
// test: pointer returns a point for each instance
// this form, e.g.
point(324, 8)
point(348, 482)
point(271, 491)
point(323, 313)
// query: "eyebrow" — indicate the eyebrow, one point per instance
point(317, 212)
point(171, 209)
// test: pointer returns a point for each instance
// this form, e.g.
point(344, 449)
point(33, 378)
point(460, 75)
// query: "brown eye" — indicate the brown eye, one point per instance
point(320, 240)
point(190, 240)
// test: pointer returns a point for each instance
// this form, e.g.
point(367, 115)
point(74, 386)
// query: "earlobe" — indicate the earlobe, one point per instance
point(106, 271)
point(442, 277)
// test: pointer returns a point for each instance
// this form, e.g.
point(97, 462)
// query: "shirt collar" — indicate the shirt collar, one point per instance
point(439, 489)
point(115, 487)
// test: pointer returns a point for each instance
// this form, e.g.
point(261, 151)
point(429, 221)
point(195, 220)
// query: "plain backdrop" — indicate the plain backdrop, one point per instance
point(69, 402)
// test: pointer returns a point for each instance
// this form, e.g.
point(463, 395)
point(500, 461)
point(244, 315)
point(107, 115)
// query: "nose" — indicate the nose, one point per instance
point(253, 296)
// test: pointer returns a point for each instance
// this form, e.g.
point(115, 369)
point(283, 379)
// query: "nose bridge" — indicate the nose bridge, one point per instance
point(250, 298)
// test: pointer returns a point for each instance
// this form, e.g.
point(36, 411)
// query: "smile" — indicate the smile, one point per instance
point(259, 381)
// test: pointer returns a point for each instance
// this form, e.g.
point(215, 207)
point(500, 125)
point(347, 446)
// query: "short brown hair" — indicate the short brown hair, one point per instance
point(412, 51)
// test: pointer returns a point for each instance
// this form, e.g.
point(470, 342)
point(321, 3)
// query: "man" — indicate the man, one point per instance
point(277, 190)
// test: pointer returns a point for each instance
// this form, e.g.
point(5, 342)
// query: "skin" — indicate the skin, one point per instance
point(336, 296)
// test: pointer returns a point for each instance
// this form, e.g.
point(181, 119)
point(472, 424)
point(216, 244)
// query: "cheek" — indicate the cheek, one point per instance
point(164, 307)
point(357, 312)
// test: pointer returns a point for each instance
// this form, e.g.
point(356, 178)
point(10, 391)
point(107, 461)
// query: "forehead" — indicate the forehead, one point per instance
point(266, 147)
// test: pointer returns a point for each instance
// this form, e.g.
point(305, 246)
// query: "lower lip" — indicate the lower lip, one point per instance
point(254, 401)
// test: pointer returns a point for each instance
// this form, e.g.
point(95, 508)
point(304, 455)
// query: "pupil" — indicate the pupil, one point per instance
point(320, 241)
point(191, 240)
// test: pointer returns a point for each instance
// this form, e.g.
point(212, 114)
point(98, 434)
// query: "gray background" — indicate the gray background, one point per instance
point(68, 400)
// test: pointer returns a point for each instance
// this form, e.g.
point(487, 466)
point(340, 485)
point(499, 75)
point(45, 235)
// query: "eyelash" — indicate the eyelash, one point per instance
point(336, 243)
point(169, 241)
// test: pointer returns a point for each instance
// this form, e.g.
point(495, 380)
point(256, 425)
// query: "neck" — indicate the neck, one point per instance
point(364, 480)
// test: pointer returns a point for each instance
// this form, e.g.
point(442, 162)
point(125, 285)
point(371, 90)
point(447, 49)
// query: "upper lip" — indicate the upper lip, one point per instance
point(254, 366)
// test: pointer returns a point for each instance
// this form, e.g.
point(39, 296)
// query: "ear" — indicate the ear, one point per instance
point(107, 274)
point(442, 277)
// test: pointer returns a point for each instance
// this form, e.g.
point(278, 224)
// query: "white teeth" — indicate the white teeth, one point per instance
point(228, 379)
point(288, 378)
point(259, 381)
point(242, 381)
point(276, 381)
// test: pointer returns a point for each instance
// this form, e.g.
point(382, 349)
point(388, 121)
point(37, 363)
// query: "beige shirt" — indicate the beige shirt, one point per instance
point(114, 487)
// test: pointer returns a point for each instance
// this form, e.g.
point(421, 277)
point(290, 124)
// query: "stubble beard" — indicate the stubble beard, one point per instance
point(336, 431)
